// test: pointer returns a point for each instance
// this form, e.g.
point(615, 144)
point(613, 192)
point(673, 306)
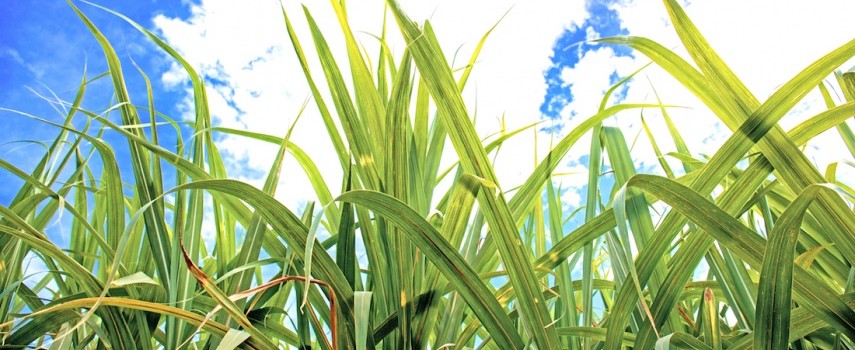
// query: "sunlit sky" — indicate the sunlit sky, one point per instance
point(537, 66)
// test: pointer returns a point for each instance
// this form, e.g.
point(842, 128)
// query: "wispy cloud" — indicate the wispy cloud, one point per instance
point(15, 56)
point(536, 65)
point(256, 82)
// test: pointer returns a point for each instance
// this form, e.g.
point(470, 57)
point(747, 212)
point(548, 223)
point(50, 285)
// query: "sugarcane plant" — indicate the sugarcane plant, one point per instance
point(472, 265)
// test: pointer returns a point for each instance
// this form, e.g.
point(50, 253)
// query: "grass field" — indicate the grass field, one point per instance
point(473, 265)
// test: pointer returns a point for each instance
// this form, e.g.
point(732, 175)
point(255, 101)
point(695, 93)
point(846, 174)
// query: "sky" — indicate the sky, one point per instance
point(537, 66)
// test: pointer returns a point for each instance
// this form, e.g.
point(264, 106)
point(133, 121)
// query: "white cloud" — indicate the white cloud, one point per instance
point(244, 47)
point(592, 72)
point(571, 180)
point(247, 47)
point(765, 43)
point(257, 85)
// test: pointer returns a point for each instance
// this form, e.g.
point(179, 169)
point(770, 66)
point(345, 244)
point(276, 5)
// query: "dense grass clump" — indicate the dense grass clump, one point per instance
point(777, 233)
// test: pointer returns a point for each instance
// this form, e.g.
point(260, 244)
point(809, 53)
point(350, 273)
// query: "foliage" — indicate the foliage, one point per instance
point(777, 234)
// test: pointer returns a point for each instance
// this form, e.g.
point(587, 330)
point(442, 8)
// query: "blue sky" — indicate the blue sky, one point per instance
point(570, 46)
point(46, 48)
point(536, 67)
